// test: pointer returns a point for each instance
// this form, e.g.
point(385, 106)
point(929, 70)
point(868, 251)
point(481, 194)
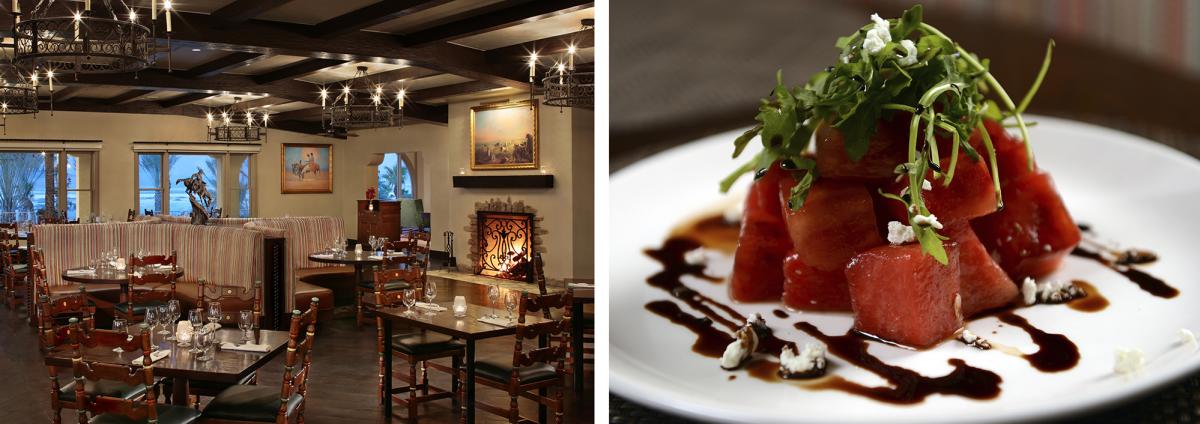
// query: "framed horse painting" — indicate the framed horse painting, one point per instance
point(306, 168)
point(504, 136)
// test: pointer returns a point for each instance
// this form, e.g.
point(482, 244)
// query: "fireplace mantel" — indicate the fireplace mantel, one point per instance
point(504, 181)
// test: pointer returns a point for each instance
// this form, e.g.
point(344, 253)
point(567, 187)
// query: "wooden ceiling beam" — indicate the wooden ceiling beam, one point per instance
point(223, 64)
point(184, 99)
point(158, 79)
point(128, 96)
point(556, 45)
point(444, 91)
point(67, 93)
point(243, 10)
point(297, 69)
point(495, 20)
point(371, 15)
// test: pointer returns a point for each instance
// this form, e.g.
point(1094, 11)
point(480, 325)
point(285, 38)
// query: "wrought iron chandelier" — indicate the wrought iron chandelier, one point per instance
point(17, 97)
point(229, 128)
point(566, 85)
point(81, 42)
point(361, 103)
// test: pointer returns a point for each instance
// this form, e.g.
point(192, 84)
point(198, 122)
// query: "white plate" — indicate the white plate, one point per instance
point(1130, 189)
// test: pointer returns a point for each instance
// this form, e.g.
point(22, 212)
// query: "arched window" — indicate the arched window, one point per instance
point(395, 177)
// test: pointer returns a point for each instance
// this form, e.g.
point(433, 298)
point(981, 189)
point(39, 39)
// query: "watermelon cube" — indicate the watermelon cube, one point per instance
point(970, 194)
point(762, 243)
point(811, 289)
point(904, 296)
point(836, 222)
point(887, 148)
point(982, 284)
point(1011, 157)
point(1030, 236)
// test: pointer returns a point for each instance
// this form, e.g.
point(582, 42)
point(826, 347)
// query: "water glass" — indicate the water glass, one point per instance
point(196, 317)
point(493, 298)
point(511, 300)
point(120, 326)
point(164, 320)
point(409, 298)
point(203, 339)
point(172, 318)
point(246, 323)
point(214, 312)
point(430, 291)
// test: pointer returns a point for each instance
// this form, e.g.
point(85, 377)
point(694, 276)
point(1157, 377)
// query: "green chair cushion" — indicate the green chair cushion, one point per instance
point(249, 403)
point(425, 343)
point(102, 387)
point(167, 414)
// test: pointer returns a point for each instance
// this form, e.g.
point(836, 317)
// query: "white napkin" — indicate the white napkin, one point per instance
point(248, 347)
point(580, 285)
point(374, 257)
point(430, 306)
point(324, 255)
point(81, 272)
point(154, 356)
point(498, 321)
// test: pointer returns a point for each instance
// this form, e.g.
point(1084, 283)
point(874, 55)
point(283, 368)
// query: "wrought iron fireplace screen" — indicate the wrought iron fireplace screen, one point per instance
point(505, 244)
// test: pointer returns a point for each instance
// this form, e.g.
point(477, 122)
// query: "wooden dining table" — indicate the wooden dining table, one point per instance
point(227, 366)
point(106, 277)
point(467, 328)
point(580, 295)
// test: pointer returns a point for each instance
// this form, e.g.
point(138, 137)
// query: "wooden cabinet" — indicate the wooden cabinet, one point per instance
point(382, 220)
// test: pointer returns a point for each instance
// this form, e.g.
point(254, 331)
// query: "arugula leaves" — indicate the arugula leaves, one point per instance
point(945, 90)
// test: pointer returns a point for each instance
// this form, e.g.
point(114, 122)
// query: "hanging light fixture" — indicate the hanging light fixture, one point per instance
point(81, 42)
point(361, 103)
point(17, 97)
point(234, 124)
point(568, 84)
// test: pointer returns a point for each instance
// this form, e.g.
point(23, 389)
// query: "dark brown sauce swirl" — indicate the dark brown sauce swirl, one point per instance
point(1148, 283)
point(1055, 351)
point(909, 386)
point(710, 341)
point(1093, 302)
point(780, 313)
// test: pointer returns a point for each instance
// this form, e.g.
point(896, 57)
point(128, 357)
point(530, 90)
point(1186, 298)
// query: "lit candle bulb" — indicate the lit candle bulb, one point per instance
point(154, 10)
point(266, 117)
point(249, 119)
point(16, 8)
point(561, 71)
point(571, 57)
point(87, 5)
point(50, 77)
point(132, 15)
point(78, 18)
point(225, 117)
point(400, 98)
point(532, 66)
point(34, 78)
point(324, 95)
point(209, 116)
point(167, 10)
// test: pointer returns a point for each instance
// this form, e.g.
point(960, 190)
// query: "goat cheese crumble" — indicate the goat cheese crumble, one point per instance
point(925, 185)
point(973, 340)
point(1187, 338)
point(899, 233)
point(808, 363)
point(930, 220)
point(1129, 361)
point(878, 36)
point(1029, 291)
point(1053, 291)
point(909, 58)
point(740, 350)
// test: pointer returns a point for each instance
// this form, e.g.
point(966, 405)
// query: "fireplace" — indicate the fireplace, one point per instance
point(504, 236)
point(505, 244)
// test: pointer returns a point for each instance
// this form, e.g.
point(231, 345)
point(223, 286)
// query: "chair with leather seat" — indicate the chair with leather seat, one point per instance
point(365, 290)
point(147, 281)
point(16, 273)
point(233, 300)
point(119, 393)
point(588, 320)
point(54, 334)
point(257, 404)
point(531, 372)
point(418, 348)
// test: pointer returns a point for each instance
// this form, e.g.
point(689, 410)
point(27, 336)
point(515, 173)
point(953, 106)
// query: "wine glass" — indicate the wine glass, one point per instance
point(371, 241)
point(164, 320)
point(246, 323)
point(511, 299)
point(151, 320)
point(409, 298)
point(430, 291)
point(203, 339)
point(172, 317)
point(214, 312)
point(493, 298)
point(120, 326)
point(196, 317)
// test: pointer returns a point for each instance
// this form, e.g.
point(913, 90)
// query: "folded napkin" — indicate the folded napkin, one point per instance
point(81, 272)
point(248, 347)
point(154, 356)
point(580, 285)
point(498, 321)
point(324, 255)
point(430, 306)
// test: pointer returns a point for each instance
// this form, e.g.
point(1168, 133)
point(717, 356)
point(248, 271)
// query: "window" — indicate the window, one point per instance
point(395, 177)
point(33, 181)
point(158, 190)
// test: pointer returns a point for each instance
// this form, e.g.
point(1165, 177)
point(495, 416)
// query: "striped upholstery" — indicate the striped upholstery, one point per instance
point(75, 245)
point(222, 255)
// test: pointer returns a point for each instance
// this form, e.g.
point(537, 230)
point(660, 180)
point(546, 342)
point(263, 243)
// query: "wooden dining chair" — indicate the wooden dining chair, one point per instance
point(233, 300)
point(55, 334)
point(530, 370)
point(589, 325)
point(365, 290)
point(263, 404)
point(418, 348)
point(137, 402)
point(146, 289)
point(16, 276)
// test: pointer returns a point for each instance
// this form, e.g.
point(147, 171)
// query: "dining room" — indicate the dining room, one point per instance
point(297, 211)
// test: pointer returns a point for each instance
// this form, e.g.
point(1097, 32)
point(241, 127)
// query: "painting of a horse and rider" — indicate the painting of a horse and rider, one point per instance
point(307, 168)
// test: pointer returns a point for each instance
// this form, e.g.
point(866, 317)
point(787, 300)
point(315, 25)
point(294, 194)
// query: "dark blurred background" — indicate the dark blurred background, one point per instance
point(683, 69)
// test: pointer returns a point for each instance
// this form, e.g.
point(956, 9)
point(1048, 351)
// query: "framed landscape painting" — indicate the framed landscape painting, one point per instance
point(307, 168)
point(504, 136)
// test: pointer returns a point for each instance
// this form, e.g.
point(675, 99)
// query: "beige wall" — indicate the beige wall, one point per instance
point(566, 150)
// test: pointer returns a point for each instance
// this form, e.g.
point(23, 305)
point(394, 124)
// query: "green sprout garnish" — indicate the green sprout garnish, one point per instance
point(882, 72)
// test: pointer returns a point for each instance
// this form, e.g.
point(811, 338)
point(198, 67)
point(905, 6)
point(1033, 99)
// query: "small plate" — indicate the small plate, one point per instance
point(1130, 190)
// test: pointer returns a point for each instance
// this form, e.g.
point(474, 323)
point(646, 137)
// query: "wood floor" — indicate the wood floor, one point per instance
point(341, 389)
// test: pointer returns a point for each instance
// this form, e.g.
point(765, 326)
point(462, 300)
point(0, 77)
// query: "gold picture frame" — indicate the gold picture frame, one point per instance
point(504, 136)
point(298, 160)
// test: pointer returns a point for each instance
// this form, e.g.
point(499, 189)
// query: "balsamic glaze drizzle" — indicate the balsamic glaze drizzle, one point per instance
point(1148, 283)
point(1055, 351)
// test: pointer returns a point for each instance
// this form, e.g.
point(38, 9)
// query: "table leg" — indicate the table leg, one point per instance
point(577, 347)
point(359, 315)
point(543, 342)
point(387, 369)
point(470, 382)
point(179, 391)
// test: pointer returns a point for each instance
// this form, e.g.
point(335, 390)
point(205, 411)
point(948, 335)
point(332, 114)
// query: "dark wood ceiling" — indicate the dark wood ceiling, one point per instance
point(432, 52)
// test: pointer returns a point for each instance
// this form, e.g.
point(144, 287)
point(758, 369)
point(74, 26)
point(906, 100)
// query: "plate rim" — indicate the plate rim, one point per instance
point(655, 397)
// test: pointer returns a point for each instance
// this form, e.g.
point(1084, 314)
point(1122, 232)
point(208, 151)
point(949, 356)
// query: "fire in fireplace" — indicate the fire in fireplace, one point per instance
point(505, 244)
